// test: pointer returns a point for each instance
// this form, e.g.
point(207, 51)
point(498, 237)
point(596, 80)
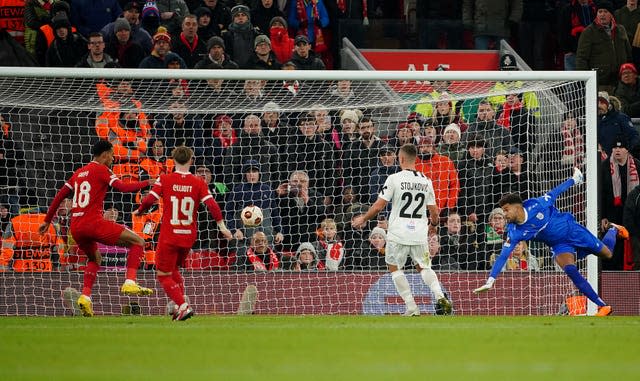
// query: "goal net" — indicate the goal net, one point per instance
point(311, 150)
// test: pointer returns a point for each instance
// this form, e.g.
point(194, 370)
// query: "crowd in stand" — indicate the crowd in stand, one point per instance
point(311, 172)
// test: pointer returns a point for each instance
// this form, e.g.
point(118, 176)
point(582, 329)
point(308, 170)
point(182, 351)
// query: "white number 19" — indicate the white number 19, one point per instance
point(185, 206)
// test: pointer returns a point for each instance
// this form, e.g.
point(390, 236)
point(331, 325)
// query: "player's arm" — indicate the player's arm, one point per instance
point(359, 221)
point(63, 193)
point(576, 179)
point(216, 213)
point(507, 249)
point(121, 186)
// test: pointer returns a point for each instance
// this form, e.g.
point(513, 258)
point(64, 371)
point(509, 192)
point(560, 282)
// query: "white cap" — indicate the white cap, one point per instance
point(453, 127)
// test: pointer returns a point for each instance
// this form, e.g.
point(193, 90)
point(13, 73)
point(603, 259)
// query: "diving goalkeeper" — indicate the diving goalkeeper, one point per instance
point(538, 219)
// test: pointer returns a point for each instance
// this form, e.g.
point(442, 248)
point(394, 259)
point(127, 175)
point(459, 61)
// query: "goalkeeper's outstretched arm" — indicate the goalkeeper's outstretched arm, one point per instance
point(507, 249)
point(576, 179)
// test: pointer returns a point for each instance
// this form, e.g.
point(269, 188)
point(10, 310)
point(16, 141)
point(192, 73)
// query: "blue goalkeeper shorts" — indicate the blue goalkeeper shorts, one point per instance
point(578, 241)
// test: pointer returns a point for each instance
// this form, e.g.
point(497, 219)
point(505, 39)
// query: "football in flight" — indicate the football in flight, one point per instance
point(251, 216)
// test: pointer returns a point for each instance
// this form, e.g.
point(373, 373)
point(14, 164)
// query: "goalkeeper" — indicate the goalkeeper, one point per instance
point(538, 219)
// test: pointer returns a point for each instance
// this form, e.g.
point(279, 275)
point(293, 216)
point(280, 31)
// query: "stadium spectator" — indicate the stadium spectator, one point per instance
point(150, 18)
point(529, 99)
point(123, 48)
point(216, 49)
point(215, 144)
point(263, 57)
point(45, 34)
point(520, 123)
point(408, 230)
point(252, 190)
point(454, 248)
point(11, 159)
point(253, 95)
point(88, 227)
point(522, 178)
point(36, 14)
point(490, 21)
point(573, 148)
point(188, 44)
point(520, 259)
point(90, 16)
point(341, 93)
point(172, 12)
point(303, 57)
point(368, 255)
point(239, 39)
point(307, 258)
point(619, 175)
point(179, 229)
point(492, 236)
point(534, 31)
point(209, 238)
point(24, 250)
point(474, 174)
point(361, 156)
point(604, 46)
point(263, 12)
point(329, 247)
point(613, 124)
point(178, 128)
point(386, 166)
point(282, 43)
point(220, 15)
point(450, 146)
point(300, 209)
point(403, 135)
point(349, 119)
point(206, 29)
point(308, 19)
point(274, 126)
point(138, 34)
point(95, 57)
point(629, 17)
point(495, 137)
point(260, 255)
point(67, 47)
point(444, 114)
point(631, 220)
point(574, 17)
point(161, 55)
point(628, 91)
point(501, 177)
point(442, 173)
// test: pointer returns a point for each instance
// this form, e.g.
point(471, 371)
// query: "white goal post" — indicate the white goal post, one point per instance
point(53, 115)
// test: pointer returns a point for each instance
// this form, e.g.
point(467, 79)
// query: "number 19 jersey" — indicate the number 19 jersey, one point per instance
point(409, 193)
point(181, 194)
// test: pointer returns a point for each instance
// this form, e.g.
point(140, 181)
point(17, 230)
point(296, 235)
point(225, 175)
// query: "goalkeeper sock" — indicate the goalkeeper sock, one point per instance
point(402, 285)
point(172, 289)
point(89, 278)
point(609, 238)
point(134, 257)
point(430, 278)
point(583, 285)
point(175, 275)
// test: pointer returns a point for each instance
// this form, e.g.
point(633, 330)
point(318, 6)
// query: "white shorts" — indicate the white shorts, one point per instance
point(396, 254)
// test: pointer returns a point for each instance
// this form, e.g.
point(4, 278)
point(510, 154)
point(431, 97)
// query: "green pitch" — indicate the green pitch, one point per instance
point(332, 348)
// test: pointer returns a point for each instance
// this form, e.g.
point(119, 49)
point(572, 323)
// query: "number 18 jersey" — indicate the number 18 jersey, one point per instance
point(181, 194)
point(409, 193)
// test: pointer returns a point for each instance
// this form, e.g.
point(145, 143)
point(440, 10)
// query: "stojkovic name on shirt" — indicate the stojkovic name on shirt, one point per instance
point(409, 186)
point(181, 188)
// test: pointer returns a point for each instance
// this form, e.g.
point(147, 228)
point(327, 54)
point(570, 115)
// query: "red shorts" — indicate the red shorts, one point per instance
point(87, 235)
point(169, 257)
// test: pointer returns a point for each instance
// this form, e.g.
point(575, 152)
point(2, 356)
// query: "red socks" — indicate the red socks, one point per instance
point(175, 275)
point(172, 289)
point(134, 257)
point(90, 275)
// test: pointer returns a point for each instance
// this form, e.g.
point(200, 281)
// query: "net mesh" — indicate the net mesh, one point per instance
point(321, 151)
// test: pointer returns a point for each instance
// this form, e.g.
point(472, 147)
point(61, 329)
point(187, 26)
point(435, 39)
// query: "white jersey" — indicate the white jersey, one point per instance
point(409, 193)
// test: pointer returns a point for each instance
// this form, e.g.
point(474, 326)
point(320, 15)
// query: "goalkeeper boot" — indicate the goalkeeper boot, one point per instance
point(622, 231)
point(132, 288)
point(604, 311)
point(85, 305)
point(444, 306)
point(412, 312)
point(183, 313)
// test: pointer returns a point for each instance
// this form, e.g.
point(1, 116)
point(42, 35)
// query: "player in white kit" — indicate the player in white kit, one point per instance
point(411, 195)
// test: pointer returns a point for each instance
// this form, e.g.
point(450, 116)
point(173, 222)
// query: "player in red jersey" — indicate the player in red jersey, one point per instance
point(89, 186)
point(181, 193)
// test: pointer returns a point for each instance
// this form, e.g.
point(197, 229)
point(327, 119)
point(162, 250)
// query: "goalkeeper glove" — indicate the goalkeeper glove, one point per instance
point(486, 287)
point(577, 177)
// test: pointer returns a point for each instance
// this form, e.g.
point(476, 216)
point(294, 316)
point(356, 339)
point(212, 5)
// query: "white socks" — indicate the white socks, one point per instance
point(402, 285)
point(430, 278)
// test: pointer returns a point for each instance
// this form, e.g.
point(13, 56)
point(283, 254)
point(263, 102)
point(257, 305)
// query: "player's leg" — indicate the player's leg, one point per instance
point(421, 257)
point(166, 259)
point(566, 261)
point(395, 257)
point(135, 243)
point(89, 276)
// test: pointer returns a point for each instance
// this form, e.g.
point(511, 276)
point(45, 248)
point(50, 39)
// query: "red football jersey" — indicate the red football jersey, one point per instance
point(181, 194)
point(89, 186)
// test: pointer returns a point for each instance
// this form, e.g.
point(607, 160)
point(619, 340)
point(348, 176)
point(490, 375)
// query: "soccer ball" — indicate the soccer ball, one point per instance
point(251, 216)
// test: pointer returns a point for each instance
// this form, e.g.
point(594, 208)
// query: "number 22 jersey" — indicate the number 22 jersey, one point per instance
point(409, 192)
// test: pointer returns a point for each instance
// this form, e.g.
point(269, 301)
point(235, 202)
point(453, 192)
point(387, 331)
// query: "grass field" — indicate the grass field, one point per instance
point(320, 348)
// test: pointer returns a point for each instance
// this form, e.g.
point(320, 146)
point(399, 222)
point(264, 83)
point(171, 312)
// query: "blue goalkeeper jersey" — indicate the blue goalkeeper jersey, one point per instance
point(545, 223)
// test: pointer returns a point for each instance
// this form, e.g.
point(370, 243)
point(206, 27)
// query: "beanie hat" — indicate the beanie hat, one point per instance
point(628, 66)
point(60, 21)
point(260, 39)
point(496, 211)
point(453, 127)
point(605, 4)
point(378, 230)
point(240, 9)
point(200, 11)
point(161, 35)
point(279, 19)
point(352, 115)
point(603, 96)
point(215, 41)
point(60, 6)
point(306, 246)
point(271, 106)
point(120, 24)
point(150, 9)
point(250, 164)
